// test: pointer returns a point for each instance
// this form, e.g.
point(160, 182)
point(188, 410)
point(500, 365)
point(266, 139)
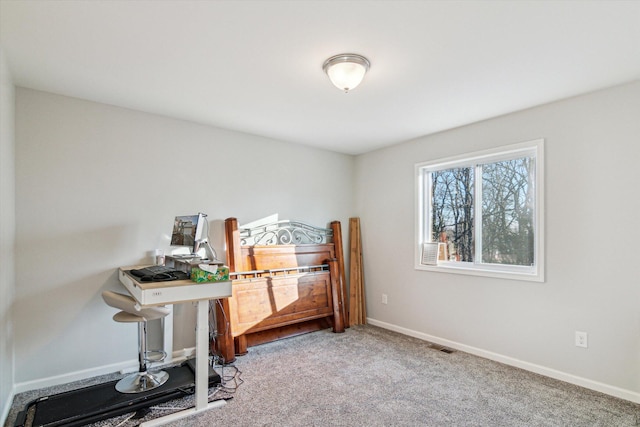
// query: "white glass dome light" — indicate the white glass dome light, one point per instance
point(346, 70)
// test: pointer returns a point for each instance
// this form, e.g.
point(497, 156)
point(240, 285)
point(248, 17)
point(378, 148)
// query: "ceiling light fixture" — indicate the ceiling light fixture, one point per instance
point(346, 70)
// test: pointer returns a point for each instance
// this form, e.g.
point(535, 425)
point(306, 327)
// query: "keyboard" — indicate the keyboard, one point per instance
point(158, 273)
point(157, 269)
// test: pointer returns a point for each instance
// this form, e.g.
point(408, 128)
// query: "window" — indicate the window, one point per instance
point(482, 213)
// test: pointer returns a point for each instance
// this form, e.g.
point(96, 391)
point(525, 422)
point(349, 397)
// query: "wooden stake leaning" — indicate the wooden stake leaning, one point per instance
point(357, 306)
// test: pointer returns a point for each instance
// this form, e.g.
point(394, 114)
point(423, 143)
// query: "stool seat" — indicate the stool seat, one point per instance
point(124, 317)
point(143, 380)
point(128, 304)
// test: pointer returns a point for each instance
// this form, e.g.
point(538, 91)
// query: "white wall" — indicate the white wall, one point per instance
point(98, 188)
point(7, 235)
point(592, 282)
point(85, 205)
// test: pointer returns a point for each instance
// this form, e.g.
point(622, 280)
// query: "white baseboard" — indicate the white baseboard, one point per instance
point(527, 366)
point(72, 376)
point(123, 367)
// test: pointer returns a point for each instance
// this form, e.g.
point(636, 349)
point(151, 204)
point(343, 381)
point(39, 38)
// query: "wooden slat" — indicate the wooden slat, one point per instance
point(357, 306)
point(361, 299)
point(338, 307)
point(339, 253)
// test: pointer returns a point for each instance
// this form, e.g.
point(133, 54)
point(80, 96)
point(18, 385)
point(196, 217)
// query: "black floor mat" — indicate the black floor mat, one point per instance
point(99, 402)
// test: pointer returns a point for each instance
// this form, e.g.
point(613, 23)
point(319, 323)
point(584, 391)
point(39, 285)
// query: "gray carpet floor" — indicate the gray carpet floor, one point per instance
point(370, 376)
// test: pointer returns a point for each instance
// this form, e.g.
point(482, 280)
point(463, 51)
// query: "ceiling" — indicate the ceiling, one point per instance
point(256, 66)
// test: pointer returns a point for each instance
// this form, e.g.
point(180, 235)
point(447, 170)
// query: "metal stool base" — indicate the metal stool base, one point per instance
point(141, 381)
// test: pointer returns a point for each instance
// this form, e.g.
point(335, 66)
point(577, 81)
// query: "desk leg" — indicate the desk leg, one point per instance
point(202, 371)
point(202, 355)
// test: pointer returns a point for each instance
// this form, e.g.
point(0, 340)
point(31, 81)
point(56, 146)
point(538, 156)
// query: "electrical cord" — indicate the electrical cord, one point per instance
point(125, 420)
point(224, 386)
point(236, 378)
point(213, 333)
point(237, 382)
point(226, 319)
point(212, 327)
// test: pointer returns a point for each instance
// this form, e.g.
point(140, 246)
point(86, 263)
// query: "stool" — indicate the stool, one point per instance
point(143, 380)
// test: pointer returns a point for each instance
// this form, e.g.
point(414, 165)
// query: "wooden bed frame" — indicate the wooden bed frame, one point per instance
point(287, 279)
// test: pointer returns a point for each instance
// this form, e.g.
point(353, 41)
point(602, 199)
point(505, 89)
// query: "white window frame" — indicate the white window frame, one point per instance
point(535, 272)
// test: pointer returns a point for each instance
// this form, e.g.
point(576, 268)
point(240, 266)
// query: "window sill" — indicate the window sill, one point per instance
point(517, 273)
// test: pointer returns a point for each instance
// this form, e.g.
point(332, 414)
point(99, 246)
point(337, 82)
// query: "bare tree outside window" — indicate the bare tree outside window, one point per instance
point(508, 212)
point(452, 211)
point(507, 199)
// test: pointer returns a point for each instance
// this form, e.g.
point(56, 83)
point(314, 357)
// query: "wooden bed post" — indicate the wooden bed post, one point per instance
point(232, 237)
point(225, 347)
point(337, 243)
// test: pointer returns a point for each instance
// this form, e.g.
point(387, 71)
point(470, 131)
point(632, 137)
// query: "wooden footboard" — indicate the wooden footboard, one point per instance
point(278, 291)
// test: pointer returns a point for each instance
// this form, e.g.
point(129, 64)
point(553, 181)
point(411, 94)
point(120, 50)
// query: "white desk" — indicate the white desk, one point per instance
point(174, 292)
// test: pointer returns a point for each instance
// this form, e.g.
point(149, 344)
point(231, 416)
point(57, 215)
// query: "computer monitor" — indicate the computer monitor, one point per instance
point(188, 230)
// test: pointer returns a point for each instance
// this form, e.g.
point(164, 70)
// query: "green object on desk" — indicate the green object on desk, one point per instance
point(200, 276)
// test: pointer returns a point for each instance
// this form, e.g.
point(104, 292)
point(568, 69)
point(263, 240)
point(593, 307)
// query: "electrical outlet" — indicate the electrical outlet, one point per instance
point(581, 339)
point(384, 298)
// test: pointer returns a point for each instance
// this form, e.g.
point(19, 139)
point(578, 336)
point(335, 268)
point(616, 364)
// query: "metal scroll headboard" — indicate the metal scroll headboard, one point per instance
point(285, 233)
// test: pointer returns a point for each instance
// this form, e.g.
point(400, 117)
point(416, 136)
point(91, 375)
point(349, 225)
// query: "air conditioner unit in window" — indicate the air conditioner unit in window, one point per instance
point(429, 253)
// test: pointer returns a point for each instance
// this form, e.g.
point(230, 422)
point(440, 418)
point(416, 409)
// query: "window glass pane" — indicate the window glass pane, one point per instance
point(452, 211)
point(508, 212)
